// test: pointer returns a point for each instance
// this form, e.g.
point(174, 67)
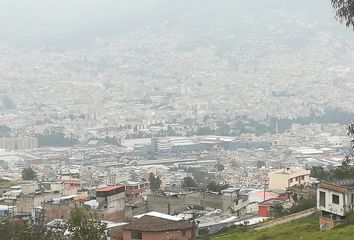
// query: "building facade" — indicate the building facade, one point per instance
point(285, 178)
point(334, 200)
point(159, 228)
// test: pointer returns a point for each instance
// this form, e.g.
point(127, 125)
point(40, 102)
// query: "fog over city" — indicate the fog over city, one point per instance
point(150, 101)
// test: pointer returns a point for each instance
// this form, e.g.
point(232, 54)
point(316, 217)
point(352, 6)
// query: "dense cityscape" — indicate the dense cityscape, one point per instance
point(205, 118)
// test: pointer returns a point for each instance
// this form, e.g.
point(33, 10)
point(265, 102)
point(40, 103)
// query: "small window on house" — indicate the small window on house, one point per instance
point(302, 177)
point(335, 199)
point(183, 233)
point(322, 199)
point(136, 235)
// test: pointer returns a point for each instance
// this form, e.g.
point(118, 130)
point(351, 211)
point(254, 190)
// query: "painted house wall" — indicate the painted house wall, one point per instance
point(263, 211)
point(340, 209)
point(175, 235)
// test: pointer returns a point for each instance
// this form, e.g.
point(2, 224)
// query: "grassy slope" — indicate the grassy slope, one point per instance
point(6, 184)
point(306, 229)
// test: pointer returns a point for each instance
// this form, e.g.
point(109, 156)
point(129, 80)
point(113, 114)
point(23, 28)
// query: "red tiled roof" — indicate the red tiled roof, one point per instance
point(108, 188)
point(156, 224)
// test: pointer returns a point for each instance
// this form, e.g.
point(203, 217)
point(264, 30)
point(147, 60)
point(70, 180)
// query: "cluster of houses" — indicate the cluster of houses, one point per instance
point(131, 210)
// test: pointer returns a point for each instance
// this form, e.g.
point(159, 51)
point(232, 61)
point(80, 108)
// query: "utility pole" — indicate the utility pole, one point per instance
point(194, 224)
point(265, 187)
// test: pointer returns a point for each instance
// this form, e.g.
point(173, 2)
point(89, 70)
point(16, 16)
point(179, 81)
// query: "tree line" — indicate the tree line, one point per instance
point(81, 225)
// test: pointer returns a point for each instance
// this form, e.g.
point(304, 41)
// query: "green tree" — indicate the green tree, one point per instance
point(215, 187)
point(112, 140)
point(84, 225)
point(56, 139)
point(319, 172)
point(260, 164)
point(344, 10)
point(303, 204)
point(155, 182)
point(170, 131)
point(219, 167)
point(81, 225)
point(342, 172)
point(12, 231)
point(278, 211)
point(200, 176)
point(188, 182)
point(28, 174)
point(223, 130)
point(204, 131)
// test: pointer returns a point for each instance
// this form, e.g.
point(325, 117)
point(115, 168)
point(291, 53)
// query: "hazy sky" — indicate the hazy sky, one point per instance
point(43, 22)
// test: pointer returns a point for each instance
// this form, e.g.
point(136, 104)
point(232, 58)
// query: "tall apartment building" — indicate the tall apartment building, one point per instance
point(18, 143)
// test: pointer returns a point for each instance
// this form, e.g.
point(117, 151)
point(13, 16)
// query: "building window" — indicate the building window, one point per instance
point(183, 233)
point(302, 177)
point(136, 235)
point(335, 199)
point(322, 199)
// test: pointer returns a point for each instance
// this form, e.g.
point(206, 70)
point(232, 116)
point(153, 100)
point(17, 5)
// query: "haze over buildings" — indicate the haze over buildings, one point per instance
point(97, 96)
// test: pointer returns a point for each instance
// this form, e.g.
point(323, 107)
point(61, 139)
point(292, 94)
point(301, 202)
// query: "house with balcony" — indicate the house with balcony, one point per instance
point(283, 179)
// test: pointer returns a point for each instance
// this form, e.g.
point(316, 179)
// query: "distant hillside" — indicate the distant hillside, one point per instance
point(42, 23)
point(305, 229)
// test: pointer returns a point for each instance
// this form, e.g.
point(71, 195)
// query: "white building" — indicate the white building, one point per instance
point(285, 178)
point(335, 200)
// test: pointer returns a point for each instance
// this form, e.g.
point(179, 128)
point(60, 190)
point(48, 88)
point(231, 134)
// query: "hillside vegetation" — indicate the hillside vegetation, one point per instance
point(306, 229)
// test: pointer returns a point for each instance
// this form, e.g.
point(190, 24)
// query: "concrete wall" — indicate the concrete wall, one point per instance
point(218, 201)
point(193, 199)
point(252, 208)
point(25, 203)
point(326, 223)
point(29, 188)
point(130, 211)
point(171, 204)
point(116, 233)
point(115, 216)
point(112, 203)
point(53, 211)
point(165, 204)
point(175, 235)
point(213, 201)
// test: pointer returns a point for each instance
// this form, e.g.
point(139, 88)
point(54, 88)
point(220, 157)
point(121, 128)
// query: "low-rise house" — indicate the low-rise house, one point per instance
point(267, 208)
point(111, 200)
point(159, 227)
point(6, 211)
point(285, 178)
point(133, 192)
point(335, 200)
point(109, 204)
